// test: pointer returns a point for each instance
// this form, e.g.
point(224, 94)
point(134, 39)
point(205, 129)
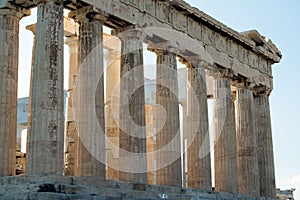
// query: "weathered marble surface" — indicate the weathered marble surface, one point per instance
point(71, 134)
point(262, 124)
point(89, 95)
point(112, 105)
point(224, 130)
point(168, 155)
point(62, 187)
point(198, 152)
point(132, 135)
point(9, 58)
point(47, 120)
point(246, 140)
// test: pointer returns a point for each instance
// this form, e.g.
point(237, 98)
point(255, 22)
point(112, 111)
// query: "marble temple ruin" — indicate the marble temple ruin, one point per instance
point(110, 144)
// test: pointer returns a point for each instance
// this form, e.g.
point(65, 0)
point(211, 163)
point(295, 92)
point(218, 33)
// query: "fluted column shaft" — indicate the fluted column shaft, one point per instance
point(198, 153)
point(71, 134)
point(9, 58)
point(247, 165)
point(183, 142)
point(31, 28)
point(112, 113)
point(45, 154)
point(224, 125)
point(168, 147)
point(265, 145)
point(133, 158)
point(150, 123)
point(89, 95)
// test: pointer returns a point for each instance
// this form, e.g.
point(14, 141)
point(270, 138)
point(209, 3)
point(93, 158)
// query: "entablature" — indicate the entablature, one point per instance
point(248, 54)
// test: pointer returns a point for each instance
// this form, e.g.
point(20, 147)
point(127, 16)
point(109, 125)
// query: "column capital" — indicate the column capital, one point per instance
point(243, 83)
point(163, 48)
point(32, 28)
point(70, 28)
point(16, 11)
point(88, 14)
point(196, 62)
point(129, 32)
point(222, 73)
point(72, 42)
point(261, 91)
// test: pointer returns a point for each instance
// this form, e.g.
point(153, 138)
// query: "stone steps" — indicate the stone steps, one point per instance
point(81, 188)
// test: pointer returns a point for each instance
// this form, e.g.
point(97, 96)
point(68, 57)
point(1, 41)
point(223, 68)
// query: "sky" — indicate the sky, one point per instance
point(277, 20)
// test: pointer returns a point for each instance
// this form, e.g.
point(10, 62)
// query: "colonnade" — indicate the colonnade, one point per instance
point(244, 160)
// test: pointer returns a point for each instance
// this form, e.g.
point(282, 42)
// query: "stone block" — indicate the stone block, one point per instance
point(150, 7)
point(105, 6)
point(219, 57)
point(253, 60)
point(269, 69)
point(263, 65)
point(208, 36)
point(136, 3)
point(232, 49)
point(221, 43)
point(163, 12)
point(179, 20)
point(47, 195)
point(91, 188)
point(123, 10)
point(139, 186)
point(242, 54)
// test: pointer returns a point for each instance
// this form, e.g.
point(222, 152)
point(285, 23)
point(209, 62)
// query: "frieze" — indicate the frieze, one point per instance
point(208, 36)
point(242, 54)
point(150, 7)
point(179, 20)
point(221, 43)
point(263, 65)
point(253, 59)
point(232, 49)
point(194, 29)
point(163, 12)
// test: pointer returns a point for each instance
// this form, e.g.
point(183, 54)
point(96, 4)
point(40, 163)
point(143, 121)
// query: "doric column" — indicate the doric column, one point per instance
point(150, 123)
point(47, 120)
point(262, 124)
point(31, 28)
point(133, 158)
point(9, 58)
point(89, 116)
point(168, 149)
point(247, 166)
point(224, 125)
point(184, 160)
point(71, 134)
point(112, 105)
point(198, 153)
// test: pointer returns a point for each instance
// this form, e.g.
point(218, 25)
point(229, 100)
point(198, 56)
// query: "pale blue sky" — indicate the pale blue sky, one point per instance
point(277, 20)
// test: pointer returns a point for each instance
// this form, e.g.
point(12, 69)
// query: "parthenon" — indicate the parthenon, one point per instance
point(111, 145)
